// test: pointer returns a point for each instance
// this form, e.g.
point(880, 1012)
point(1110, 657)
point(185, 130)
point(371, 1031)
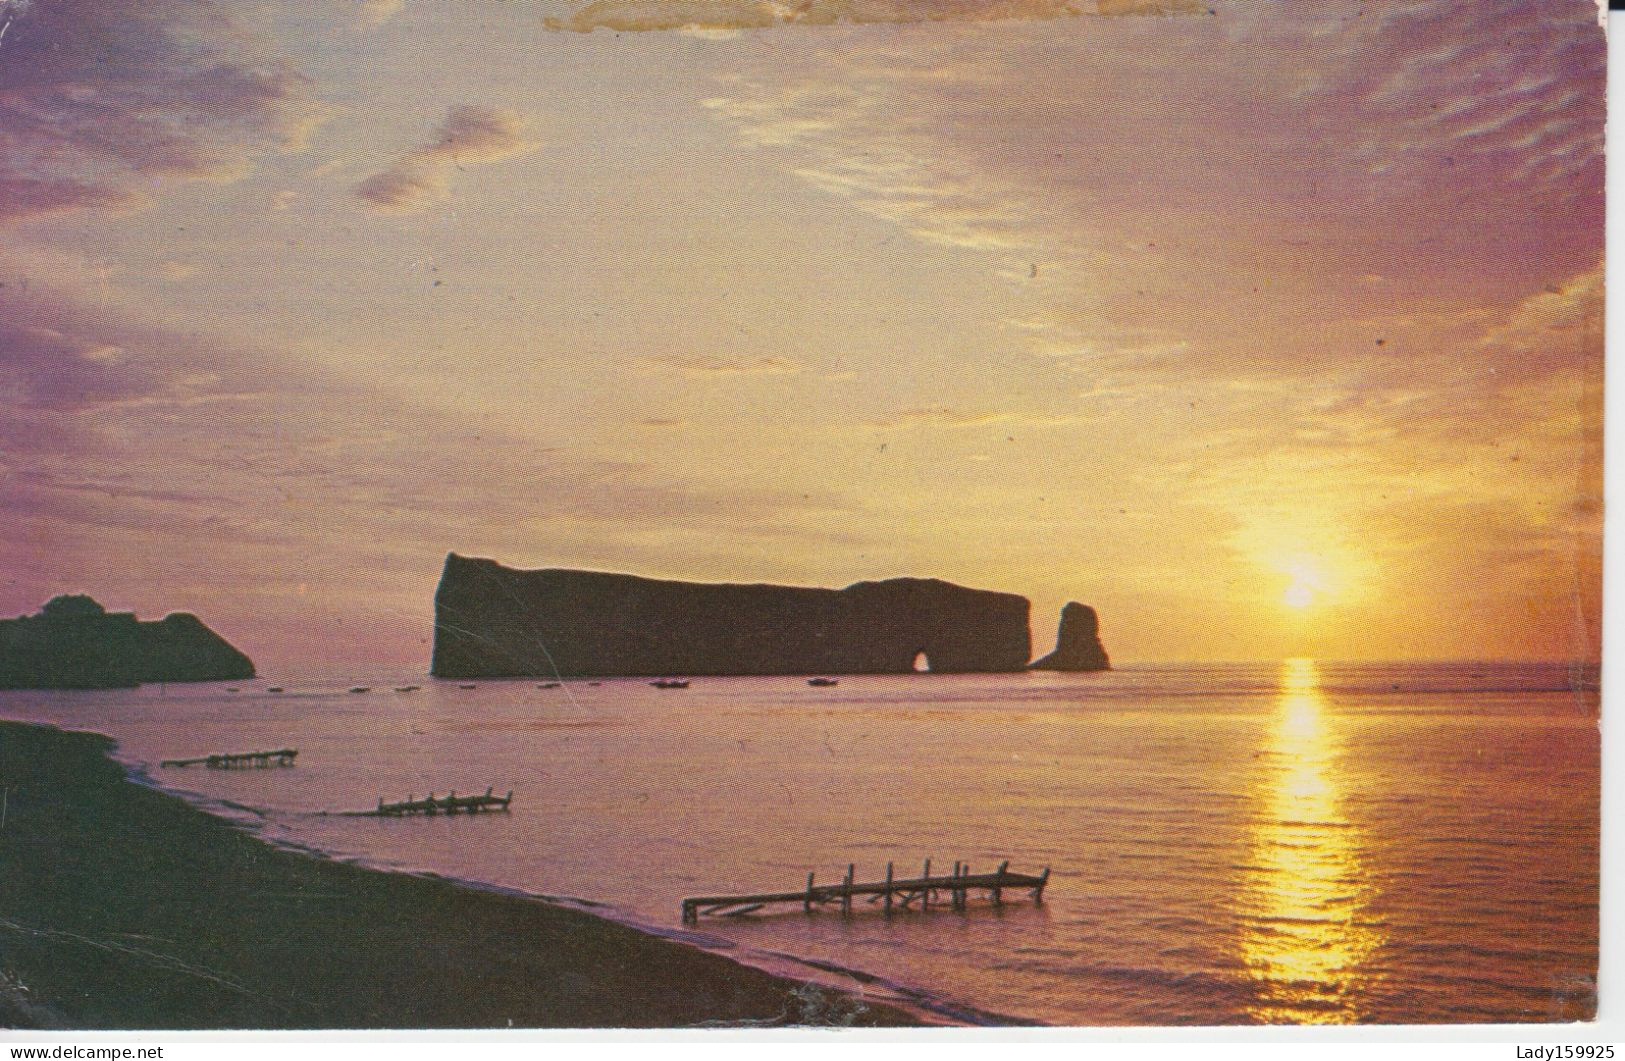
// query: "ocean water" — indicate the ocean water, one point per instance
point(1298, 842)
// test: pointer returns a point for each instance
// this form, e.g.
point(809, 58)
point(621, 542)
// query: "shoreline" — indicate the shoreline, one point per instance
point(919, 1005)
point(123, 906)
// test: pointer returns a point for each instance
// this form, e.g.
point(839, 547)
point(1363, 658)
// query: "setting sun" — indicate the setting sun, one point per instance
point(1306, 583)
point(1313, 571)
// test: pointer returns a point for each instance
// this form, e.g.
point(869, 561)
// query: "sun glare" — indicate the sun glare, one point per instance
point(1306, 568)
point(1305, 583)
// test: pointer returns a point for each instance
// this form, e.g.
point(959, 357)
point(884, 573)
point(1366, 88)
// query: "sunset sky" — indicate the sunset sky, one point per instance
point(1269, 329)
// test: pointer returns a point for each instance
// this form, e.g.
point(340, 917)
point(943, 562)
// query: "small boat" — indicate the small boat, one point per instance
point(361, 688)
point(548, 685)
point(407, 688)
point(274, 689)
point(822, 683)
point(670, 683)
point(232, 689)
point(470, 685)
point(595, 684)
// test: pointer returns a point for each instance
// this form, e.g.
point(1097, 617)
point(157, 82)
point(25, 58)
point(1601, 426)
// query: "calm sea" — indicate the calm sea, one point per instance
point(1296, 842)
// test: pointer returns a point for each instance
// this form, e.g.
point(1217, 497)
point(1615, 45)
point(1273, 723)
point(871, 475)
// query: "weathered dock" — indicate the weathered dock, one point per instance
point(448, 804)
point(237, 760)
point(894, 892)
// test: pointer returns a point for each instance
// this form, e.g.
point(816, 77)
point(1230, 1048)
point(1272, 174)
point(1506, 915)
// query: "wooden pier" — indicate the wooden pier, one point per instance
point(238, 760)
point(894, 892)
point(448, 804)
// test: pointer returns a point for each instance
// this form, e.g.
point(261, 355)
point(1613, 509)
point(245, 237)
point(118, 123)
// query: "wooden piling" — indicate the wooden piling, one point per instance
point(451, 803)
point(892, 890)
point(232, 760)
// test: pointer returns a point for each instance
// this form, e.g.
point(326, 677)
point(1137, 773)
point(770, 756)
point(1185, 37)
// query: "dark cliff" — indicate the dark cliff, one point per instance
point(73, 643)
point(493, 621)
point(1077, 645)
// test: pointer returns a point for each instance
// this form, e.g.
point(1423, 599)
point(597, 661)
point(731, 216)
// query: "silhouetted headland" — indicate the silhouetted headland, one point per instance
point(1077, 645)
point(494, 621)
point(75, 643)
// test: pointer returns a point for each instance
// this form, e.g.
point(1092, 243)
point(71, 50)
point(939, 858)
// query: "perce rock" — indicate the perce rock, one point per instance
point(75, 643)
point(494, 621)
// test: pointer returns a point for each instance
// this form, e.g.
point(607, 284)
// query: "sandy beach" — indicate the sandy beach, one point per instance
point(123, 907)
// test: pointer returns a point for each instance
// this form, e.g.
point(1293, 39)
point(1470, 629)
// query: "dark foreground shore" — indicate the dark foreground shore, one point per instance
point(121, 907)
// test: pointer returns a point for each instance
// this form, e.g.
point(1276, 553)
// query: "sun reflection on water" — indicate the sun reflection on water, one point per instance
point(1303, 939)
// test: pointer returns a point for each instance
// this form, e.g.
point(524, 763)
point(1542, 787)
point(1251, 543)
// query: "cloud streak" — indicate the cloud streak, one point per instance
point(938, 417)
point(700, 366)
point(948, 418)
point(469, 136)
point(635, 16)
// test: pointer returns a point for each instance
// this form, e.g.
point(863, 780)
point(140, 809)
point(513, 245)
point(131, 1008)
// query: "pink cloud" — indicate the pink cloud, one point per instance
point(102, 99)
point(469, 136)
